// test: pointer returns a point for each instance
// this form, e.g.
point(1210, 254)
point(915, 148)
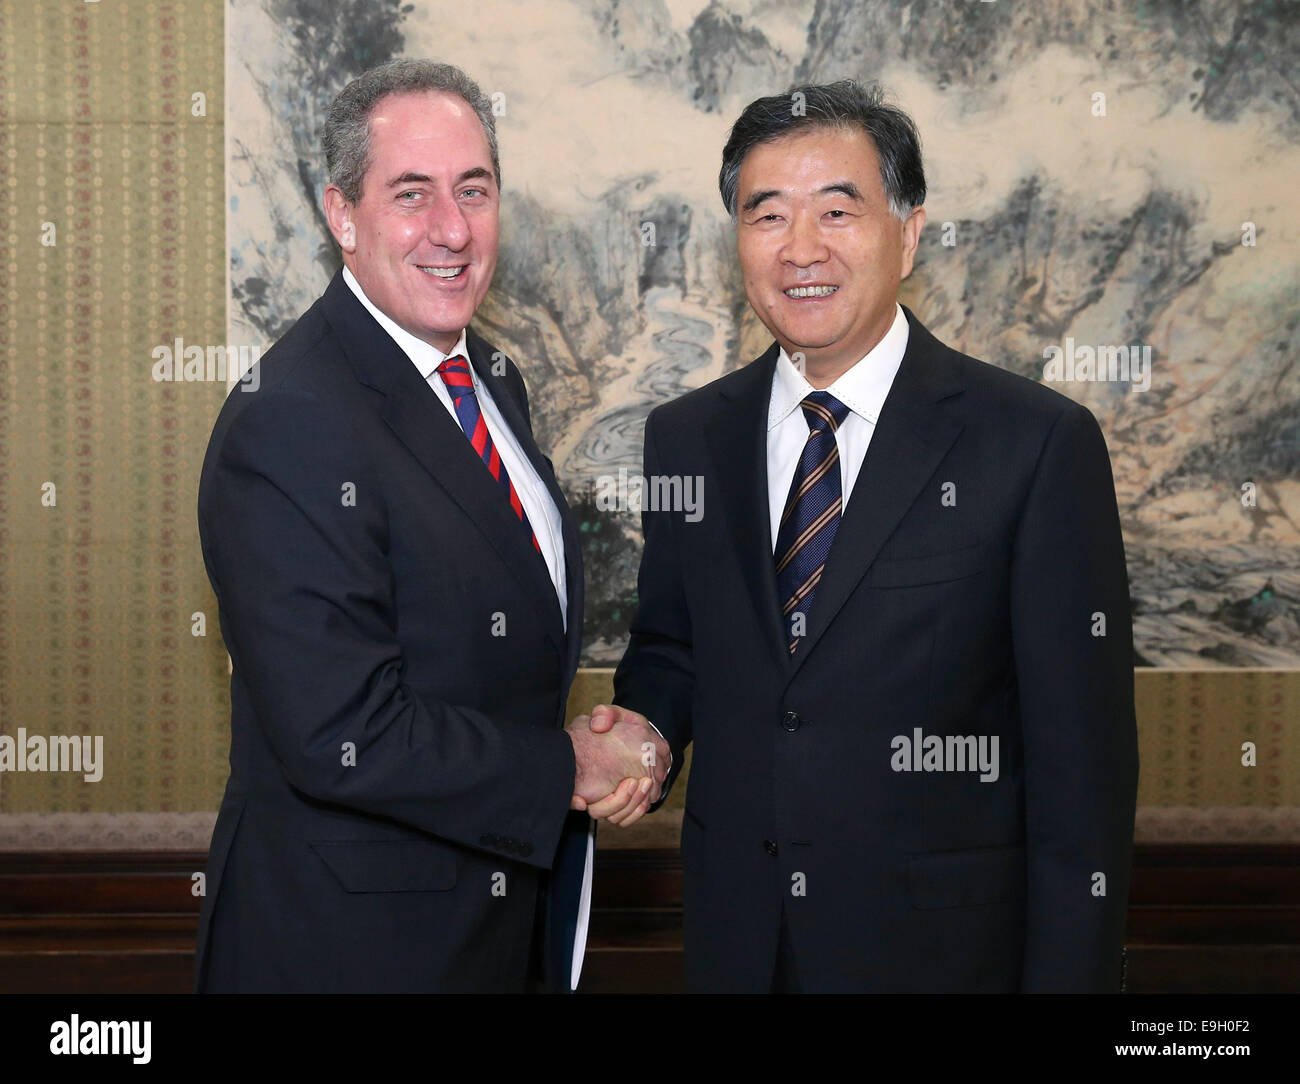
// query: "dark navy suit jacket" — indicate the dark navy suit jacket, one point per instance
point(963, 597)
point(399, 776)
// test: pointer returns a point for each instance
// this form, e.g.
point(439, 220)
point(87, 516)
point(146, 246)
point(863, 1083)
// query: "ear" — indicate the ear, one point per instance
point(911, 238)
point(338, 212)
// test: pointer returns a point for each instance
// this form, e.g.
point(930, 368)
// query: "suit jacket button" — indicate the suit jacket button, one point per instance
point(791, 721)
point(769, 845)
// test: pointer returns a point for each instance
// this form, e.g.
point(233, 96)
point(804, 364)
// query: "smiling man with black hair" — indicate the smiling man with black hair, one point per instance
point(911, 566)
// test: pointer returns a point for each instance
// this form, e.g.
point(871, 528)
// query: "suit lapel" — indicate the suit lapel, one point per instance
point(737, 438)
point(910, 440)
point(412, 410)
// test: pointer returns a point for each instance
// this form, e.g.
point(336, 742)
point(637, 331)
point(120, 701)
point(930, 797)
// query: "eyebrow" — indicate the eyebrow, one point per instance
point(845, 188)
point(758, 197)
point(412, 177)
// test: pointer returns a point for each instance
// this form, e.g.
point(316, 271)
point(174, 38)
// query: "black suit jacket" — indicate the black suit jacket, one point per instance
point(966, 617)
point(399, 779)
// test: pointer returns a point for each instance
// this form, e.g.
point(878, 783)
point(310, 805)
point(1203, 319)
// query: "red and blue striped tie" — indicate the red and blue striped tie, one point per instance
point(812, 514)
point(460, 385)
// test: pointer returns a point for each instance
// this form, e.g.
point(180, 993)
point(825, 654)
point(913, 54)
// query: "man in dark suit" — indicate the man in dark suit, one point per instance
point(899, 639)
point(400, 590)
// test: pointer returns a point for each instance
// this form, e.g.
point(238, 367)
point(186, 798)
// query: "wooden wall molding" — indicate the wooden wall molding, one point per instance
point(1202, 919)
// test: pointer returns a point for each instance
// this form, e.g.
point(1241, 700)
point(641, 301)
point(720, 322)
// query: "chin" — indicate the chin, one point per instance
point(448, 323)
point(806, 340)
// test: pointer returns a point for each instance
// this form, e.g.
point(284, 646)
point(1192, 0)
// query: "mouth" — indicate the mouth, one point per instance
point(798, 293)
point(810, 291)
point(445, 273)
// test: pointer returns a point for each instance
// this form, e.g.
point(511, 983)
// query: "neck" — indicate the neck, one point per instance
point(821, 375)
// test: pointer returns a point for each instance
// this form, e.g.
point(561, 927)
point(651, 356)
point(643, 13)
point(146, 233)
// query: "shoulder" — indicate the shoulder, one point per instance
point(300, 392)
point(993, 394)
point(1012, 393)
point(694, 407)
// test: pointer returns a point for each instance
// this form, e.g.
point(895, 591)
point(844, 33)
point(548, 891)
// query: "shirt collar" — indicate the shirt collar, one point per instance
point(862, 389)
point(426, 358)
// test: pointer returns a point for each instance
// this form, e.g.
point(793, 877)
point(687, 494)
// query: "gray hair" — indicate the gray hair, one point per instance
point(347, 128)
point(845, 104)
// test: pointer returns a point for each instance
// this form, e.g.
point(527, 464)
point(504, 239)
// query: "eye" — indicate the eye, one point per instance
point(837, 213)
point(474, 192)
point(403, 195)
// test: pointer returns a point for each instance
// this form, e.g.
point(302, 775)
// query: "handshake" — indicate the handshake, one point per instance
point(622, 763)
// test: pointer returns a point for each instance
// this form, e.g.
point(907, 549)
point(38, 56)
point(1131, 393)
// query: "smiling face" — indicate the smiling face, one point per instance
point(820, 252)
point(422, 239)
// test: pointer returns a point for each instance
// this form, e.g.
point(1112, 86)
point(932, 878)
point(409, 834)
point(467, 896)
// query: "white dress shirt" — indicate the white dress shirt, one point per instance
point(862, 389)
point(533, 495)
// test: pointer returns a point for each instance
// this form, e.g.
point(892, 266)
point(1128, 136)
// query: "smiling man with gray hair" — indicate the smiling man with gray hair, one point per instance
point(899, 640)
point(400, 588)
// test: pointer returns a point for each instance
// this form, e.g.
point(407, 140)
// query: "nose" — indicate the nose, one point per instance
point(804, 244)
point(445, 224)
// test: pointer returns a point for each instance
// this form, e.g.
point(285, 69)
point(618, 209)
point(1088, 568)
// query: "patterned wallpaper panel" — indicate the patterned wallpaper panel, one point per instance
point(112, 173)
